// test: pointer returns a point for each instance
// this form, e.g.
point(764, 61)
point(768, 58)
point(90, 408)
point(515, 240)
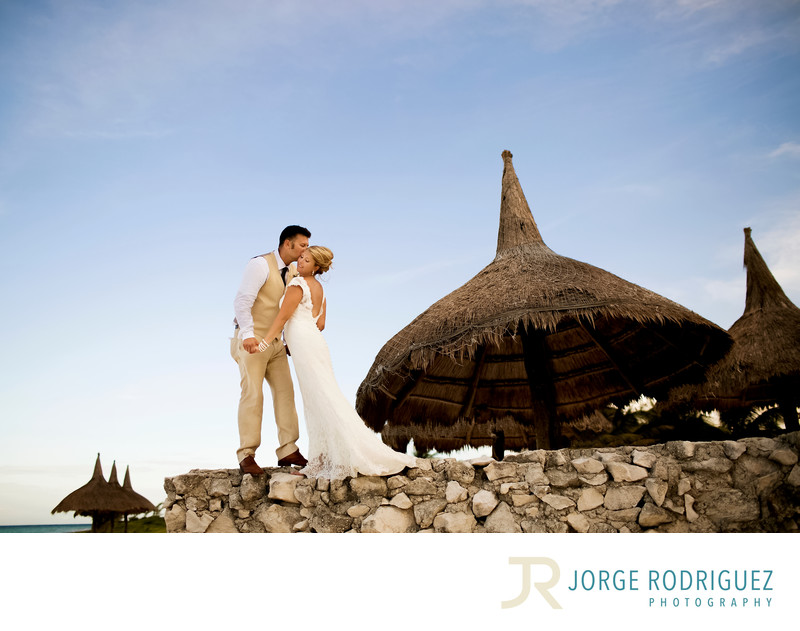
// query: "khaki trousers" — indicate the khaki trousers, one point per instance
point(273, 366)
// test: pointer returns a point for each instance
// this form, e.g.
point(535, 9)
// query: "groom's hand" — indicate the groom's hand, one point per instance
point(250, 345)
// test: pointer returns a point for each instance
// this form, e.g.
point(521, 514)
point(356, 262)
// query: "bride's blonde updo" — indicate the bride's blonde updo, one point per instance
point(322, 257)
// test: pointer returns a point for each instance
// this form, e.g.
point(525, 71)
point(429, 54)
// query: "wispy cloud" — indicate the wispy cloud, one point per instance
point(736, 45)
point(126, 134)
point(636, 189)
point(778, 246)
point(790, 149)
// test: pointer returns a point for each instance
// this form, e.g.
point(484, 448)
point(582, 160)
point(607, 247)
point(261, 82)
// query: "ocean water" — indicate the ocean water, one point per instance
point(47, 528)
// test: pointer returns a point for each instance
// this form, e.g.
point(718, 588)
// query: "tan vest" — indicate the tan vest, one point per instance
point(267, 303)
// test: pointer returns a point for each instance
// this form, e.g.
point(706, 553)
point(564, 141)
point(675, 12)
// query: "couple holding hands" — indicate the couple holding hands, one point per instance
point(280, 293)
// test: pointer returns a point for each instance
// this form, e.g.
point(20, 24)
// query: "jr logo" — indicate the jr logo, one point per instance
point(542, 588)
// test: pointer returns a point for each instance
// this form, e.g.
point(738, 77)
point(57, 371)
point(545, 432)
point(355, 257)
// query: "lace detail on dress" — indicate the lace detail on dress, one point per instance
point(299, 281)
point(340, 444)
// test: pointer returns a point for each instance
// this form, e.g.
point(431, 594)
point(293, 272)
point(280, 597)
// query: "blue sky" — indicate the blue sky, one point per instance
point(148, 149)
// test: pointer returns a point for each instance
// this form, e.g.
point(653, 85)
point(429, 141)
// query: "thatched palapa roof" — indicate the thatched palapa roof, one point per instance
point(104, 500)
point(139, 503)
point(532, 339)
point(763, 365)
point(96, 496)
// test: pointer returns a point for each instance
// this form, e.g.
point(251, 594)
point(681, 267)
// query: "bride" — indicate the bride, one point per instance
point(340, 444)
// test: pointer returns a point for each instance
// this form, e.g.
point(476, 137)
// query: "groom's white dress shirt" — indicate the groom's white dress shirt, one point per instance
point(256, 274)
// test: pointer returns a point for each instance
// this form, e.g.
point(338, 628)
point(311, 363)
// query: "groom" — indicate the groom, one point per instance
point(256, 305)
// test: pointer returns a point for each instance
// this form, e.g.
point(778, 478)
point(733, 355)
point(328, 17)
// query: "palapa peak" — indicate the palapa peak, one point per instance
point(113, 479)
point(98, 470)
point(763, 291)
point(517, 226)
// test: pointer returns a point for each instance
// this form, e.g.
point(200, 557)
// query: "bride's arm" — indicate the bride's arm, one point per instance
point(291, 299)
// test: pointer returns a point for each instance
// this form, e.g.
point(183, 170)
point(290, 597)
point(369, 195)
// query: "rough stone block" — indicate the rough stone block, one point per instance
point(794, 476)
point(282, 487)
point(389, 519)
point(652, 515)
point(590, 499)
point(501, 519)
point(618, 518)
point(535, 475)
point(223, 523)
point(559, 502)
point(597, 479)
point(368, 485)
point(483, 503)
point(276, 517)
point(455, 492)
point(507, 487)
point(622, 472)
point(733, 449)
point(420, 486)
point(401, 500)
point(784, 456)
point(523, 500)
point(306, 495)
point(218, 487)
point(621, 497)
point(657, 490)
point(461, 472)
point(713, 465)
point(563, 479)
point(396, 481)
point(644, 458)
point(760, 446)
point(252, 488)
point(498, 470)
point(555, 459)
point(588, 465)
point(691, 514)
point(197, 523)
point(359, 510)
point(324, 520)
point(175, 518)
point(578, 522)
point(196, 504)
point(726, 506)
point(339, 492)
point(193, 484)
point(425, 512)
point(681, 449)
point(454, 522)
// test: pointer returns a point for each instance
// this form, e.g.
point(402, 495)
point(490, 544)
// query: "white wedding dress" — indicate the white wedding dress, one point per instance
point(340, 444)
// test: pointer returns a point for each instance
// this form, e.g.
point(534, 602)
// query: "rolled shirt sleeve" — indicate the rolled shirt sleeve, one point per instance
point(255, 275)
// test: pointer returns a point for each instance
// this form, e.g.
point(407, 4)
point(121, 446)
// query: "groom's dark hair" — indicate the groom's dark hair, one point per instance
point(290, 232)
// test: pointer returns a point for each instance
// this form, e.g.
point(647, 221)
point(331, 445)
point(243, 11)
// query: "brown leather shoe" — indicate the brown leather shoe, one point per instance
point(248, 465)
point(293, 458)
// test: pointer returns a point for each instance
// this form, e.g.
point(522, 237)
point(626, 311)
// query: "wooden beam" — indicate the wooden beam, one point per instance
point(540, 382)
point(615, 360)
point(404, 392)
point(466, 410)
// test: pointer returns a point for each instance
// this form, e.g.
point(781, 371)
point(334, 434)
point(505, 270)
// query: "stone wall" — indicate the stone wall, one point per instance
point(750, 485)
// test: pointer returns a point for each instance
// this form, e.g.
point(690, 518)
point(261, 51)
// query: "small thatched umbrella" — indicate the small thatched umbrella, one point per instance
point(534, 338)
point(139, 502)
point(763, 366)
point(134, 503)
point(96, 499)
